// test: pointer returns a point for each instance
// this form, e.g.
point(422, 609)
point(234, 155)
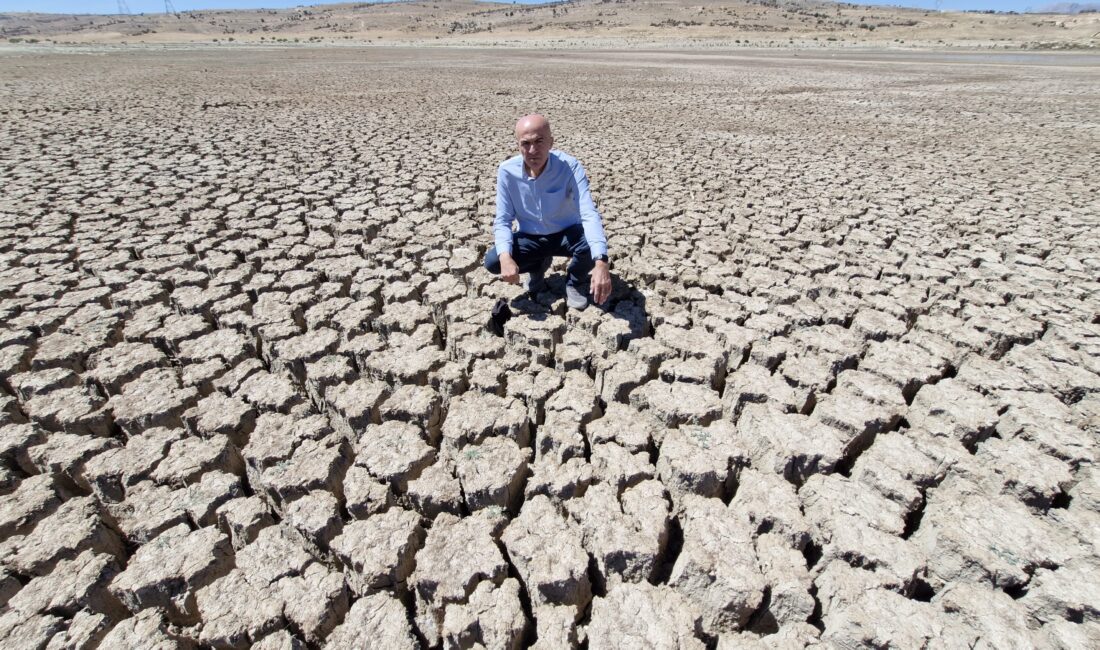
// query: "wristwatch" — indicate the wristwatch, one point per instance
point(600, 258)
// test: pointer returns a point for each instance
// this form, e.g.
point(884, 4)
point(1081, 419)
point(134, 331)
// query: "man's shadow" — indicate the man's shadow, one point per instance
point(626, 304)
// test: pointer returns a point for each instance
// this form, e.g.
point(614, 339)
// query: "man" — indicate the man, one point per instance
point(546, 192)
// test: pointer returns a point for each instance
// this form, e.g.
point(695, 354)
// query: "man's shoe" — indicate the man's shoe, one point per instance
point(536, 280)
point(575, 299)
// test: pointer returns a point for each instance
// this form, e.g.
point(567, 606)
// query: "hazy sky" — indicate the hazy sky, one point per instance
point(139, 6)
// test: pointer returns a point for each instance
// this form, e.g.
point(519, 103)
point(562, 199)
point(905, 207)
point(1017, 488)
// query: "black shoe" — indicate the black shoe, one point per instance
point(501, 314)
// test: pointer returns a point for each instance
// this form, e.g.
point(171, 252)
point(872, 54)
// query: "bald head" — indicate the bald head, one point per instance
point(534, 141)
point(532, 122)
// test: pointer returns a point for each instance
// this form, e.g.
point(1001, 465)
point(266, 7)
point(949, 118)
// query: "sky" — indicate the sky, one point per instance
point(153, 6)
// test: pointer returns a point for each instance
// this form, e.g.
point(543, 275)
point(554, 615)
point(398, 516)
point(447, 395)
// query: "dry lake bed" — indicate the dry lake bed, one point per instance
point(845, 391)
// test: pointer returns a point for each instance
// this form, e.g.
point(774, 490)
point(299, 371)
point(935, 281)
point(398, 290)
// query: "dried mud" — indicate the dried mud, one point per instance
point(845, 391)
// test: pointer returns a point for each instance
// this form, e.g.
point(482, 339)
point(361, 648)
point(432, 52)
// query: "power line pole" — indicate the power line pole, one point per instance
point(123, 8)
point(170, 8)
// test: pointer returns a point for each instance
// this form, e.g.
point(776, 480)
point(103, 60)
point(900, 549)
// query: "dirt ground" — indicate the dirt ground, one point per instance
point(845, 391)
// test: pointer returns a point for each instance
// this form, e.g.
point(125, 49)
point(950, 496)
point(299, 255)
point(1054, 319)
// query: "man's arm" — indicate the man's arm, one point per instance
point(502, 229)
point(590, 217)
point(600, 286)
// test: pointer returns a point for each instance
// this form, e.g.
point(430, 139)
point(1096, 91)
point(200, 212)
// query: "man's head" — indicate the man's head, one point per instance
point(534, 141)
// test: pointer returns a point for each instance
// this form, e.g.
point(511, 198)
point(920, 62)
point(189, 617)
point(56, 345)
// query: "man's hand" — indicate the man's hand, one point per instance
point(601, 282)
point(509, 270)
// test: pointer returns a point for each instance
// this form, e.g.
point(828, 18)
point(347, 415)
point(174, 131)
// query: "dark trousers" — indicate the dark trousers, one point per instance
point(530, 251)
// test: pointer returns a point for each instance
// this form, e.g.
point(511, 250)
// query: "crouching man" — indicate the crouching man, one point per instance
point(545, 191)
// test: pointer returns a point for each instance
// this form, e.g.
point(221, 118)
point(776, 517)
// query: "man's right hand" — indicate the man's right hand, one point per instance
point(509, 270)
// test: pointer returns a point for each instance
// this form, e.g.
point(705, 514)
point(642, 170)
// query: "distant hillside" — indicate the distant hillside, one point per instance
point(680, 22)
point(1072, 8)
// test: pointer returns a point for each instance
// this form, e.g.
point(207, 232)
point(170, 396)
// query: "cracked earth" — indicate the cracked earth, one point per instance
point(845, 391)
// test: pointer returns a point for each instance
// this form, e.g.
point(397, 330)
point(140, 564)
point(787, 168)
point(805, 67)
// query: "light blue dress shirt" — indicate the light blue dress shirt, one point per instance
point(557, 199)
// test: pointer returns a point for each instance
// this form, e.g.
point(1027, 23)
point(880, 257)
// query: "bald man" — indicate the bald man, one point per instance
point(545, 192)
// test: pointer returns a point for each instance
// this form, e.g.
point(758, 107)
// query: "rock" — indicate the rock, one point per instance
point(640, 615)
point(700, 460)
point(76, 411)
point(770, 505)
point(33, 499)
point(235, 613)
point(114, 367)
point(73, 528)
point(1067, 592)
point(217, 415)
point(545, 548)
point(73, 585)
point(717, 567)
point(243, 518)
point(626, 539)
point(793, 446)
point(557, 480)
point(1015, 467)
point(394, 452)
point(166, 572)
point(267, 391)
point(155, 399)
point(379, 617)
point(473, 417)
point(457, 555)
point(316, 516)
point(379, 551)
point(879, 617)
point(112, 472)
point(678, 403)
point(626, 427)
point(29, 631)
point(356, 405)
point(492, 473)
point(316, 601)
point(492, 617)
point(1000, 621)
point(949, 409)
point(189, 458)
point(86, 630)
point(365, 495)
point(437, 489)
point(147, 629)
point(969, 535)
point(789, 596)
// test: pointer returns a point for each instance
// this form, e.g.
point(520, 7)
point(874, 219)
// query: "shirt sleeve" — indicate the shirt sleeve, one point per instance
point(590, 217)
point(502, 223)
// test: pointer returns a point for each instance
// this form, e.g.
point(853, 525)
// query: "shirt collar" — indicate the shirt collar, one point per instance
point(546, 167)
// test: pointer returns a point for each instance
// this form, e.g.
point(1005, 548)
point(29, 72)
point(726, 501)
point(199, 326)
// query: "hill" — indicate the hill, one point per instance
point(622, 22)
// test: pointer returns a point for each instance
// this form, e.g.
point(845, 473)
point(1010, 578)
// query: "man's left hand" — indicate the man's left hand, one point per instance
point(601, 283)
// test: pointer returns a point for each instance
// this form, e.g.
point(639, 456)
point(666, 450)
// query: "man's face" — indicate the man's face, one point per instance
point(534, 142)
